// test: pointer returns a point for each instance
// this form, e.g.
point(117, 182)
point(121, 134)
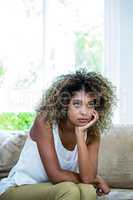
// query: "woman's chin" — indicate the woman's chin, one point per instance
point(82, 123)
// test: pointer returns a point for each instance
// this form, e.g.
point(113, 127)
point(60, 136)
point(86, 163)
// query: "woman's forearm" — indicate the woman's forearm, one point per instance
point(64, 175)
point(87, 160)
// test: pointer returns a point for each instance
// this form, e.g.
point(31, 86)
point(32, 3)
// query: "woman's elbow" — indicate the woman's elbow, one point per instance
point(88, 179)
point(55, 177)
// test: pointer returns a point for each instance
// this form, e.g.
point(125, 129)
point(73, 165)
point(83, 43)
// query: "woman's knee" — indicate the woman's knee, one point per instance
point(87, 191)
point(67, 191)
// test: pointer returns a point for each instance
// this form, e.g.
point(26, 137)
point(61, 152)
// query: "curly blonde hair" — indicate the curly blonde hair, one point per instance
point(55, 101)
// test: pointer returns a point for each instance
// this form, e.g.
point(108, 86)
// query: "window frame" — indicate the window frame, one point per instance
point(112, 49)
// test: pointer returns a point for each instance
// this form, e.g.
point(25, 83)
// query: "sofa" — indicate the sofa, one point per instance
point(115, 158)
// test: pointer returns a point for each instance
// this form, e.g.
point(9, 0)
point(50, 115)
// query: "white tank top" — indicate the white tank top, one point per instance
point(29, 168)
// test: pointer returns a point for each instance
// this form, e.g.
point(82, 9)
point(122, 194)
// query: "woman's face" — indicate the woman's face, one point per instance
point(80, 108)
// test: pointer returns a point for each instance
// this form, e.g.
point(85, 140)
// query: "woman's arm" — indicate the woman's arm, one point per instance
point(87, 157)
point(88, 162)
point(87, 154)
point(41, 132)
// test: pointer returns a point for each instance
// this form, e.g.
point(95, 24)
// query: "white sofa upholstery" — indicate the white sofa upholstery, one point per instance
point(115, 159)
point(116, 162)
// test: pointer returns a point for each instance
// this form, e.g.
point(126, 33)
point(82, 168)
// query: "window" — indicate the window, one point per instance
point(74, 35)
point(42, 39)
point(21, 54)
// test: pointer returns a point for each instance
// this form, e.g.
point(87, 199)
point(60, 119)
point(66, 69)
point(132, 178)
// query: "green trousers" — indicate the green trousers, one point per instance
point(49, 191)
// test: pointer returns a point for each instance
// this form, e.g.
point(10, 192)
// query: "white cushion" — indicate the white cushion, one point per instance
point(116, 157)
point(11, 144)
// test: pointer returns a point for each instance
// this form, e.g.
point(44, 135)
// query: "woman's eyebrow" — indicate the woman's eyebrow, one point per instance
point(76, 99)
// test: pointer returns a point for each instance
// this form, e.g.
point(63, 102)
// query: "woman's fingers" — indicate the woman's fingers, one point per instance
point(94, 120)
point(99, 192)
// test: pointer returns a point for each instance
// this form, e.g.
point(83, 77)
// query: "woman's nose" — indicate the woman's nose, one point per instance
point(84, 111)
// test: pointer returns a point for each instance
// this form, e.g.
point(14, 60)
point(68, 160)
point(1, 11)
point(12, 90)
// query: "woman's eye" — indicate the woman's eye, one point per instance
point(91, 104)
point(76, 104)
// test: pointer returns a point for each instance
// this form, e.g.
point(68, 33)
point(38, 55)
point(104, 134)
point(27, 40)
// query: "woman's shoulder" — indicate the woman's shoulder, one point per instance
point(41, 128)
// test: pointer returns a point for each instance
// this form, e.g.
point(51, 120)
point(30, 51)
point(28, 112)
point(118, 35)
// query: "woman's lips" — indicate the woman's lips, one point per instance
point(83, 120)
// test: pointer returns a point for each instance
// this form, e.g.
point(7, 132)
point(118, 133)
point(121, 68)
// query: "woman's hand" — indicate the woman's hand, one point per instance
point(102, 187)
point(95, 118)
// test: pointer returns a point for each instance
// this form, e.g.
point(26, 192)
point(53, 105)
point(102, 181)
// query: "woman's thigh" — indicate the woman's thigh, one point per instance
point(43, 191)
point(27, 192)
point(87, 192)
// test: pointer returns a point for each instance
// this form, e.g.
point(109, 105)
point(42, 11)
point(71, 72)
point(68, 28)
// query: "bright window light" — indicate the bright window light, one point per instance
point(42, 39)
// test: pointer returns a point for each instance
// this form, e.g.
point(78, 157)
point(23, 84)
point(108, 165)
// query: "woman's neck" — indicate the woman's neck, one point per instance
point(67, 127)
point(67, 135)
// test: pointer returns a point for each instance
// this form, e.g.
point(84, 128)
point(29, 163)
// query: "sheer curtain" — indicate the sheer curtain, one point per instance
point(74, 36)
point(42, 39)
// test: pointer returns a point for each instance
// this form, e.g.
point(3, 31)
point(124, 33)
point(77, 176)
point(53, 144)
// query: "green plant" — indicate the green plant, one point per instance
point(89, 50)
point(16, 121)
point(2, 74)
point(2, 71)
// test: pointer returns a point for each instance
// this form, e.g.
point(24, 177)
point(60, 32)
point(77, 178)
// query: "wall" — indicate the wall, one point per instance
point(119, 55)
point(126, 61)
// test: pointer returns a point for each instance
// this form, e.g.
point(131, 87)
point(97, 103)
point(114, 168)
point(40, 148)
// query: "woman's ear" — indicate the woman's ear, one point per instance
point(100, 104)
